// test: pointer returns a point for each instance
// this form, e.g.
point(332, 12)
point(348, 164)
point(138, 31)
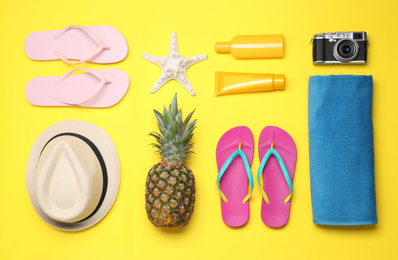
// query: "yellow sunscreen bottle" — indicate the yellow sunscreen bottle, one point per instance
point(235, 83)
point(253, 46)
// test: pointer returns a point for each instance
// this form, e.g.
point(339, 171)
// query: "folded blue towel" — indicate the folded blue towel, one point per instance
point(341, 150)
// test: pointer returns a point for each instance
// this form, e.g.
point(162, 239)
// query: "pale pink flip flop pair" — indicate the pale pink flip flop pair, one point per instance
point(277, 154)
point(97, 44)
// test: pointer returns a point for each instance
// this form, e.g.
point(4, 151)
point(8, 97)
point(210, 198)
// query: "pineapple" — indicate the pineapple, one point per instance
point(170, 185)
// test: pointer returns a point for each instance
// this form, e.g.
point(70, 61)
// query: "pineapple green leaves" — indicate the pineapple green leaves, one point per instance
point(175, 134)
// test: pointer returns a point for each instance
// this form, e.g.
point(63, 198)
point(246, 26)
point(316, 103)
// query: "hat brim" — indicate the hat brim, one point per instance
point(108, 151)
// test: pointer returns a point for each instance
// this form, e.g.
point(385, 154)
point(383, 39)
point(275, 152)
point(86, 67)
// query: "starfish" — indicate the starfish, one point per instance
point(174, 66)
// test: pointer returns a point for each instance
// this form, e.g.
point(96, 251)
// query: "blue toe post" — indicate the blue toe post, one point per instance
point(247, 168)
point(284, 171)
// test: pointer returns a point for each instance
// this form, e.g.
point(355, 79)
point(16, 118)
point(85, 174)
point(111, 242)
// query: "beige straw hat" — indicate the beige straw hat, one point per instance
point(73, 175)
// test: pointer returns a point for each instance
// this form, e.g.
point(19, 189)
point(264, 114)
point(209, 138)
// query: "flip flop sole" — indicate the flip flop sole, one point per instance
point(276, 213)
point(76, 44)
point(44, 91)
point(234, 182)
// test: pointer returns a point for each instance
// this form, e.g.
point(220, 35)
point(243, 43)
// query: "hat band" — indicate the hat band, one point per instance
point(100, 160)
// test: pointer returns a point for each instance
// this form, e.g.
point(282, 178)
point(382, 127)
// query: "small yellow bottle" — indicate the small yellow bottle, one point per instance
point(253, 46)
point(234, 83)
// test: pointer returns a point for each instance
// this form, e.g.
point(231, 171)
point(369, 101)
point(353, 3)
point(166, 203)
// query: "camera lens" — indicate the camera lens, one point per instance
point(345, 50)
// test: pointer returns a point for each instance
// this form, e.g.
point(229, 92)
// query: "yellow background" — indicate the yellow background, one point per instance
point(125, 233)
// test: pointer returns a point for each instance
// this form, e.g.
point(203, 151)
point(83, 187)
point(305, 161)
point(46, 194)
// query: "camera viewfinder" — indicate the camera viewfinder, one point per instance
point(357, 36)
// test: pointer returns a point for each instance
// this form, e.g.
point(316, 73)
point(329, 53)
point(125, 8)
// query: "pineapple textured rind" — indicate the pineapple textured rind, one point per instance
point(170, 195)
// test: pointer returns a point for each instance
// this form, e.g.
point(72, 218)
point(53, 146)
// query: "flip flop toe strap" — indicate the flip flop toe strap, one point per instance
point(102, 79)
point(284, 171)
point(95, 38)
point(248, 172)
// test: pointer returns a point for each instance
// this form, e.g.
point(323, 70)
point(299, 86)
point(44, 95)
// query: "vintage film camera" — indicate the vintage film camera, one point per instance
point(339, 47)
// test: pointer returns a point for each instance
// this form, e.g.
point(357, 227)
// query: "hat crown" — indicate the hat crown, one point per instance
point(69, 179)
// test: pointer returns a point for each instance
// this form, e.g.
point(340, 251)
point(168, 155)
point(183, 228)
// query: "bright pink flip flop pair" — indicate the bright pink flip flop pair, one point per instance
point(277, 154)
point(97, 44)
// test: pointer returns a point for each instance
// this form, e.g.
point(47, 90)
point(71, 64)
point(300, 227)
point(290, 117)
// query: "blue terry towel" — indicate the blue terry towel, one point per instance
point(341, 150)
